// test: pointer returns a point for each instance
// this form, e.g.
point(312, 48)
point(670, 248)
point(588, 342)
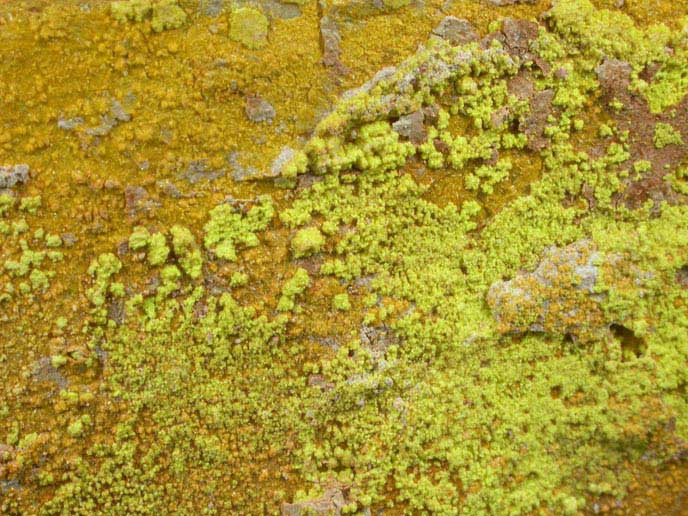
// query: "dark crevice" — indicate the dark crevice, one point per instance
point(630, 343)
point(682, 276)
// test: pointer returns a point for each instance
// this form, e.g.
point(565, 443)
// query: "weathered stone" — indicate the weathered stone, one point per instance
point(318, 380)
point(534, 124)
point(240, 172)
point(521, 86)
point(118, 112)
point(614, 75)
point(123, 248)
point(456, 30)
point(682, 276)
point(45, 372)
point(557, 297)
point(502, 3)
point(169, 189)
point(500, 116)
point(411, 127)
point(518, 34)
point(68, 239)
point(197, 170)
point(377, 339)
point(330, 504)
point(284, 157)
point(258, 109)
point(210, 8)
point(137, 201)
point(386, 73)
point(615, 78)
point(330, 40)
point(116, 311)
point(282, 10)
point(13, 175)
point(107, 124)
point(109, 121)
point(69, 124)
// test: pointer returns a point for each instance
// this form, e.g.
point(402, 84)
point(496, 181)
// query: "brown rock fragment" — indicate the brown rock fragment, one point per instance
point(330, 39)
point(137, 202)
point(456, 30)
point(502, 3)
point(614, 76)
point(518, 34)
point(258, 109)
point(534, 125)
point(411, 127)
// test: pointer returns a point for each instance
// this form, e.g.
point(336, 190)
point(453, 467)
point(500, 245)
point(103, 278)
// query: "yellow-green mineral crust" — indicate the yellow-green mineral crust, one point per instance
point(395, 258)
point(249, 26)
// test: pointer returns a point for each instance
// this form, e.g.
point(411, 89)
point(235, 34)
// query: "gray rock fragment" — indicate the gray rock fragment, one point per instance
point(502, 3)
point(45, 372)
point(284, 157)
point(456, 30)
point(169, 189)
point(109, 121)
point(137, 202)
point(614, 76)
point(69, 124)
point(284, 11)
point(13, 175)
point(107, 124)
point(518, 34)
point(559, 296)
point(411, 127)
point(330, 39)
point(210, 8)
point(239, 172)
point(197, 170)
point(68, 239)
point(258, 109)
point(534, 124)
point(330, 504)
point(118, 112)
point(386, 73)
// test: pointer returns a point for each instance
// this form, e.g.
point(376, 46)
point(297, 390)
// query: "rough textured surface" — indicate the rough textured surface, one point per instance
point(456, 30)
point(13, 175)
point(259, 109)
point(330, 504)
point(344, 257)
point(559, 296)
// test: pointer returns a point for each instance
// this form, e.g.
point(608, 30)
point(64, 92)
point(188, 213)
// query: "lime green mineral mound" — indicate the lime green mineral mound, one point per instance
point(163, 14)
point(465, 293)
point(249, 26)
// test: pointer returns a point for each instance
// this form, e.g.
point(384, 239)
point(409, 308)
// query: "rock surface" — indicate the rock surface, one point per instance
point(557, 297)
point(534, 124)
point(258, 109)
point(330, 504)
point(411, 127)
point(13, 175)
point(502, 3)
point(456, 30)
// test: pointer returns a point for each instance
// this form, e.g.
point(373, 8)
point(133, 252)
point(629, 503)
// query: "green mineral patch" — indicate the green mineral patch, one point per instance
point(665, 135)
point(340, 257)
point(249, 26)
point(164, 14)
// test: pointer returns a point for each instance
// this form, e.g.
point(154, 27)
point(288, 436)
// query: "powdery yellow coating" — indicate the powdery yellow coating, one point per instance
point(184, 106)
